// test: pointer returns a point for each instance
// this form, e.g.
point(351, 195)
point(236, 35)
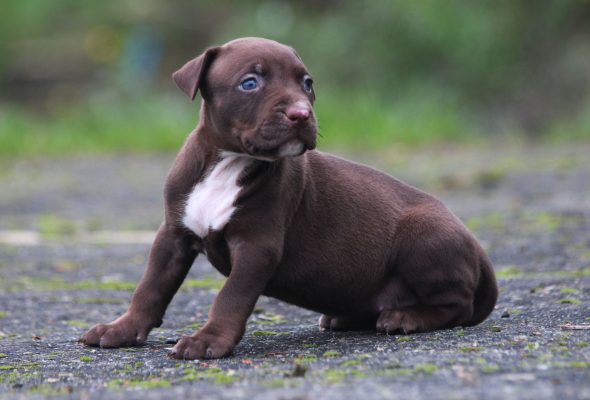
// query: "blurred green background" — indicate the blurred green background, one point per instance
point(81, 76)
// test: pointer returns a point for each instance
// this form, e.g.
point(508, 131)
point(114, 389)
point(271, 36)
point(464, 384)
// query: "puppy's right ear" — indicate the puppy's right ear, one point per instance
point(190, 77)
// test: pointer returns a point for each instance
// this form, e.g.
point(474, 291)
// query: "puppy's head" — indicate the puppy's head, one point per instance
point(257, 97)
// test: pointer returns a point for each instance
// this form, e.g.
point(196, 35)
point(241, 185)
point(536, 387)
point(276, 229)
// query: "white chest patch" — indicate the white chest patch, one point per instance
point(211, 203)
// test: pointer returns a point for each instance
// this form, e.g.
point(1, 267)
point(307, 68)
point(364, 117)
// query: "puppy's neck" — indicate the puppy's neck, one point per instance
point(212, 139)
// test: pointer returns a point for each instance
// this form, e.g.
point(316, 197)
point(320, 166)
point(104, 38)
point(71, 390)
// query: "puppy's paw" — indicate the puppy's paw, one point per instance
point(334, 323)
point(325, 322)
point(201, 346)
point(120, 333)
point(397, 321)
point(346, 323)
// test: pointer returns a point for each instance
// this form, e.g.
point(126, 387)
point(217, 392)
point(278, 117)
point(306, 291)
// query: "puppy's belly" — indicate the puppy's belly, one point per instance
point(330, 301)
point(212, 201)
point(353, 293)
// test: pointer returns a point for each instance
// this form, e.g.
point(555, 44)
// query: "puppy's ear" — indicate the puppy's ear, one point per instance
point(190, 77)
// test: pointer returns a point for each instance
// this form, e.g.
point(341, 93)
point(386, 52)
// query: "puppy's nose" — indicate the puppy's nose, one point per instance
point(298, 112)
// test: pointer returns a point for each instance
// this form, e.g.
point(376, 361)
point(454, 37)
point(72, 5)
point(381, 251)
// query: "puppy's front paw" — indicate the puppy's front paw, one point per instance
point(396, 321)
point(201, 346)
point(120, 333)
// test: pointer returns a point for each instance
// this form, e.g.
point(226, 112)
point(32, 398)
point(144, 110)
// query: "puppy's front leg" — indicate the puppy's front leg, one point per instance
point(252, 266)
point(171, 257)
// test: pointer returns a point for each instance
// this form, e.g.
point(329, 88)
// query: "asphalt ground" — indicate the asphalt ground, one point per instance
point(75, 233)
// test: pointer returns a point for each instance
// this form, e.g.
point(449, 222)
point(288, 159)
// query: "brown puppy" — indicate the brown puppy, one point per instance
point(280, 219)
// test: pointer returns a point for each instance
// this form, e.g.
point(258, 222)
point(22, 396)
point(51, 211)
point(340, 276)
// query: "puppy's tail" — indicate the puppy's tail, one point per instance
point(486, 293)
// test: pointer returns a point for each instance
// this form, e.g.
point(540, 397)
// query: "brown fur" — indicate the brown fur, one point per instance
point(339, 238)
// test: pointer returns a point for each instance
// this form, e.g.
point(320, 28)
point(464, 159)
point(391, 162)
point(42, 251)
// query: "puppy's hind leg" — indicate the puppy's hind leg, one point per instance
point(438, 263)
point(422, 318)
point(442, 297)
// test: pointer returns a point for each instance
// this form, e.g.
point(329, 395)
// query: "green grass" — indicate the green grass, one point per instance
point(367, 122)
point(468, 349)
point(509, 273)
point(306, 358)
point(513, 272)
point(569, 301)
point(268, 333)
point(217, 375)
point(76, 323)
point(158, 122)
point(208, 282)
point(102, 124)
point(150, 383)
point(576, 128)
point(52, 227)
point(59, 284)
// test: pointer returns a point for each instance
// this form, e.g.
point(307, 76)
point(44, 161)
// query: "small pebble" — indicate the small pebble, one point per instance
point(171, 341)
point(505, 314)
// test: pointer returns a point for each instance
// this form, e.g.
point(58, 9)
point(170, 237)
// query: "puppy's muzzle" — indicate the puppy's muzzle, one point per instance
point(286, 133)
point(298, 116)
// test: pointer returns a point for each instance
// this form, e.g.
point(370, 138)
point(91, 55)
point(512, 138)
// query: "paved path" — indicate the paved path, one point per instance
point(74, 235)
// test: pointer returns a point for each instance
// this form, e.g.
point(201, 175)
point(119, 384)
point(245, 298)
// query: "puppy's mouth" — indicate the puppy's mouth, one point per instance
point(277, 139)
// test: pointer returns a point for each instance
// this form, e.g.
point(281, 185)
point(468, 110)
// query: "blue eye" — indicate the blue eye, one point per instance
point(307, 84)
point(249, 84)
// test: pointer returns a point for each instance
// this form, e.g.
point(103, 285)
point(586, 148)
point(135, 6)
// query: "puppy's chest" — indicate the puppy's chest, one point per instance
point(211, 203)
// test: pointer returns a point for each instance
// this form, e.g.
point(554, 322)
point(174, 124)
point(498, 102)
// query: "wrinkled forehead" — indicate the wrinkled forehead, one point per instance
point(260, 56)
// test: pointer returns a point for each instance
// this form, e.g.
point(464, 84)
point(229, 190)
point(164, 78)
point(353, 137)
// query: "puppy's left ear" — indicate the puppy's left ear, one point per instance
point(190, 77)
